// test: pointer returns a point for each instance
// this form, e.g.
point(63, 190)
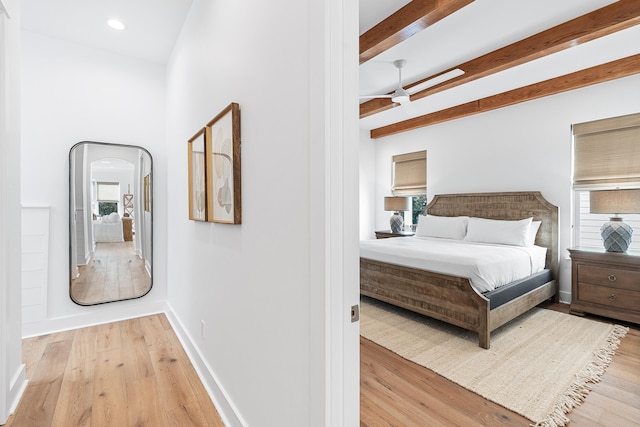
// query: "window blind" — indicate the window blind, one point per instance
point(410, 174)
point(607, 153)
point(109, 191)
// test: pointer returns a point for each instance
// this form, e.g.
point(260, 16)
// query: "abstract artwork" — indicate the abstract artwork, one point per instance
point(197, 177)
point(223, 167)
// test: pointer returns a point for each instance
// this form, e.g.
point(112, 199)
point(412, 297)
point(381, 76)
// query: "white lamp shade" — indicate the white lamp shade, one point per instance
point(615, 201)
point(397, 204)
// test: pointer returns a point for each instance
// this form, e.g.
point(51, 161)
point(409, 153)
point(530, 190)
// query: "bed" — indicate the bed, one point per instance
point(108, 229)
point(452, 298)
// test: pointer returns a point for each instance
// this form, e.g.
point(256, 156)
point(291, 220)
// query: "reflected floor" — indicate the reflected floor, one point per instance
point(114, 273)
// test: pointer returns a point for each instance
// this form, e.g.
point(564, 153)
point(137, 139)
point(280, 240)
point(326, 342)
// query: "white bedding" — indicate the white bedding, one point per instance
point(488, 266)
point(107, 232)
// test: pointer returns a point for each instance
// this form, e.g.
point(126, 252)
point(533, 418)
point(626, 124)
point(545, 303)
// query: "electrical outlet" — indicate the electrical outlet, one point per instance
point(202, 324)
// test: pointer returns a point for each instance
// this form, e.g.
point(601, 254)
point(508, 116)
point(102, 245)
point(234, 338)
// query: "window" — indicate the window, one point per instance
point(606, 155)
point(418, 205)
point(105, 208)
point(410, 174)
point(410, 179)
point(108, 197)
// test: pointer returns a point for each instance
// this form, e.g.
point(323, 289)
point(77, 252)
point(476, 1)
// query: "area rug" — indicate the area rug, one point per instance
point(540, 364)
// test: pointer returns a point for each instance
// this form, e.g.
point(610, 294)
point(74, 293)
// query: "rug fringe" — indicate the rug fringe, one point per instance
point(581, 387)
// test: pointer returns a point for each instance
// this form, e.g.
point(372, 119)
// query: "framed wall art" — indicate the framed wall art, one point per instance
point(197, 176)
point(224, 201)
point(147, 193)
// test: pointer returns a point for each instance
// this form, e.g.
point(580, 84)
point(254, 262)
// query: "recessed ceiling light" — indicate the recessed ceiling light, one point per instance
point(116, 24)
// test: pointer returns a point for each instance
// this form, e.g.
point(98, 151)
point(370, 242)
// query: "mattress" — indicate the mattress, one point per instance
point(487, 266)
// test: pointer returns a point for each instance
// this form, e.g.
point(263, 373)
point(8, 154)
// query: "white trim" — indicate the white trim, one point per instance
point(565, 297)
point(17, 387)
point(333, 175)
point(221, 400)
point(95, 315)
point(34, 205)
point(319, 313)
point(12, 376)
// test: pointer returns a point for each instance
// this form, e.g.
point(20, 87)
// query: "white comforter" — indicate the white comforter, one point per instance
point(488, 266)
point(107, 232)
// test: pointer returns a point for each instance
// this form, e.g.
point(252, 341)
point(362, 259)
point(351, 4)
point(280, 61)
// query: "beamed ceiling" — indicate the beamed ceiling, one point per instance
point(510, 55)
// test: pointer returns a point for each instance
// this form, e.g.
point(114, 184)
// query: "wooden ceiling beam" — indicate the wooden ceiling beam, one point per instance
point(407, 21)
point(601, 73)
point(599, 23)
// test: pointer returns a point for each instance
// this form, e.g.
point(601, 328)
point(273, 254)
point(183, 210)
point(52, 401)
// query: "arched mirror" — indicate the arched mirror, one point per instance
point(110, 222)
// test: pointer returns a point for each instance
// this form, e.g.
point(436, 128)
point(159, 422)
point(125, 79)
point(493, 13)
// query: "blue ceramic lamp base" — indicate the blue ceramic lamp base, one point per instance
point(396, 222)
point(616, 235)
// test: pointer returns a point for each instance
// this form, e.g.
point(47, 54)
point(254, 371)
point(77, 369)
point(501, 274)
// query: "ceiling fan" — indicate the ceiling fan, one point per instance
point(403, 96)
point(400, 95)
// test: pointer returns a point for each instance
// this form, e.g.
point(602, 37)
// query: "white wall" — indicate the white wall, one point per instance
point(72, 93)
point(526, 147)
point(368, 174)
point(251, 284)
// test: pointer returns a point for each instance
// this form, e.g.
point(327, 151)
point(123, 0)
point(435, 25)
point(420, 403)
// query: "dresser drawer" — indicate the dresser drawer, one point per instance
point(609, 277)
point(611, 297)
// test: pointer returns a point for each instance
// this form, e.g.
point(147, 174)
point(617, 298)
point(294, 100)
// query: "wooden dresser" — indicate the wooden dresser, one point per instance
point(605, 283)
point(127, 229)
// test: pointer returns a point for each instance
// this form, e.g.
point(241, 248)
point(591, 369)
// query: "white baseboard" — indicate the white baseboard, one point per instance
point(94, 315)
point(17, 387)
point(565, 297)
point(227, 410)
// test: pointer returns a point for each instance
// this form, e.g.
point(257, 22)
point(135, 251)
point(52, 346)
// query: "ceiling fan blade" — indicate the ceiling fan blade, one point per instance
point(399, 95)
point(435, 80)
point(375, 96)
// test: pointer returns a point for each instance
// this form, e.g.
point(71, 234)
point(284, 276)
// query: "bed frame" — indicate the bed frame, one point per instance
point(453, 299)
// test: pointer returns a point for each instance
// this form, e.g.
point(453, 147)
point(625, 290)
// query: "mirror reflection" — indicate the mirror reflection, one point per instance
point(110, 222)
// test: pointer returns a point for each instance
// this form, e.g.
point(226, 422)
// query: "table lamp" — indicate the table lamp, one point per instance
point(616, 235)
point(396, 205)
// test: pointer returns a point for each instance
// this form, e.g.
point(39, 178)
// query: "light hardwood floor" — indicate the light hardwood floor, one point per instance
point(135, 373)
point(397, 392)
point(114, 273)
point(130, 373)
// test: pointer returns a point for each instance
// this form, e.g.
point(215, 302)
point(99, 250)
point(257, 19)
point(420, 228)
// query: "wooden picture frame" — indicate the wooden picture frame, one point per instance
point(197, 176)
point(224, 201)
point(147, 193)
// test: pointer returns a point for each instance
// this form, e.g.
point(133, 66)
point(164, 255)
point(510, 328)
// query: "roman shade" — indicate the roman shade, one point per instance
point(109, 191)
point(607, 153)
point(410, 174)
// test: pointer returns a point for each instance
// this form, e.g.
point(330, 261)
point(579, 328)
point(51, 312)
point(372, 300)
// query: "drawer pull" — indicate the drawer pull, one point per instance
point(612, 277)
point(612, 297)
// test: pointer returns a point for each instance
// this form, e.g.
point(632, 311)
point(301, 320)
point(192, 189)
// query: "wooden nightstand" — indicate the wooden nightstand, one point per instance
point(605, 283)
point(388, 233)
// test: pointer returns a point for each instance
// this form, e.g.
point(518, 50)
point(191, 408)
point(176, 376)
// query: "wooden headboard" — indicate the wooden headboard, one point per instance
point(510, 205)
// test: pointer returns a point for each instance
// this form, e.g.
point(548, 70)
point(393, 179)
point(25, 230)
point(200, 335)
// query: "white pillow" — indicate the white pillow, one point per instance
point(112, 217)
point(446, 227)
point(499, 231)
point(535, 225)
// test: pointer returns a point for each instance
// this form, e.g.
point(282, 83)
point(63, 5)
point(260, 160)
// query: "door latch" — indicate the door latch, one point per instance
point(355, 313)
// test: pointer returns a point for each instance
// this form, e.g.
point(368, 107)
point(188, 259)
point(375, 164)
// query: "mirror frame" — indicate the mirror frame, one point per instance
point(148, 188)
